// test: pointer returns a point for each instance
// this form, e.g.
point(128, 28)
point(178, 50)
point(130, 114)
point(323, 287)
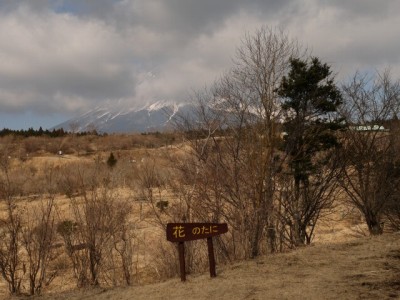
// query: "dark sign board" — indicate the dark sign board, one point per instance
point(182, 232)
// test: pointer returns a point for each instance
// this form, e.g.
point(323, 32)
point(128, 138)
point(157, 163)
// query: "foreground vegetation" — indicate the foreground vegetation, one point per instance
point(366, 268)
point(274, 146)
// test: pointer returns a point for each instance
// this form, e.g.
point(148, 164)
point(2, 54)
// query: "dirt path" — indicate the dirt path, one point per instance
point(365, 268)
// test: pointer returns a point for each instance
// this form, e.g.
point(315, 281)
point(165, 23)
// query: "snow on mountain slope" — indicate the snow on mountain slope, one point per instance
point(116, 118)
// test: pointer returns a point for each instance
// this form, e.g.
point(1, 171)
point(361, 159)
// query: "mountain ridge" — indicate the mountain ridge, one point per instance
point(117, 118)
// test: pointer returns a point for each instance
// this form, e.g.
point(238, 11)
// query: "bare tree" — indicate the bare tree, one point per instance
point(234, 138)
point(369, 150)
point(392, 210)
point(123, 245)
point(299, 214)
point(11, 264)
point(98, 226)
point(38, 236)
point(26, 235)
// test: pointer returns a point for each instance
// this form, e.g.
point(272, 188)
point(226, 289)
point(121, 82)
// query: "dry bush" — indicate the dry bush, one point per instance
point(98, 238)
point(68, 183)
point(166, 260)
point(53, 145)
point(33, 144)
point(11, 265)
point(38, 235)
point(392, 209)
point(172, 200)
point(296, 220)
point(370, 159)
point(76, 144)
point(115, 142)
point(26, 236)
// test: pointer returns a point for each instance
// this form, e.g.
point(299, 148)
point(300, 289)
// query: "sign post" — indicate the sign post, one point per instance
point(183, 232)
point(211, 257)
point(181, 249)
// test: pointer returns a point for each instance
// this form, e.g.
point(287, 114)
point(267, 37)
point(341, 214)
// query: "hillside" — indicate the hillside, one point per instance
point(337, 266)
point(363, 268)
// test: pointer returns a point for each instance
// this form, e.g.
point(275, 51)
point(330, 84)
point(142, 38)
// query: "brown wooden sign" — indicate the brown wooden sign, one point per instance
point(183, 232)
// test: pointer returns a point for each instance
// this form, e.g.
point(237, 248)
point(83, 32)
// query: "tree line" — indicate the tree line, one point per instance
point(30, 132)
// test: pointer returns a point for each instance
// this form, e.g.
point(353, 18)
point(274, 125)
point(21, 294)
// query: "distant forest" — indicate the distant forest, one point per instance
point(40, 132)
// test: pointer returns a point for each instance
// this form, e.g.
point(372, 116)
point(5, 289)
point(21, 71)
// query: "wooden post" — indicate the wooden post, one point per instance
point(211, 257)
point(183, 232)
point(181, 249)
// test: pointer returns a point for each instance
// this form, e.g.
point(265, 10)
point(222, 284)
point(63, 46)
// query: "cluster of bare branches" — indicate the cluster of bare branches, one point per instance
point(235, 158)
point(26, 236)
point(97, 233)
point(98, 238)
point(271, 162)
point(371, 163)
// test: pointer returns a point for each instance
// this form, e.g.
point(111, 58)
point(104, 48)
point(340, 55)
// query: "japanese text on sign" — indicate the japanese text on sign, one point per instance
point(178, 232)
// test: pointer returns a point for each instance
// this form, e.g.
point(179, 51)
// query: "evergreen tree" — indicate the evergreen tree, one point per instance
point(111, 161)
point(310, 102)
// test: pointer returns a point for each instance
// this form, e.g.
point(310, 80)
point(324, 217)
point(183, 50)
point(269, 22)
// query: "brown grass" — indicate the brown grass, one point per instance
point(363, 268)
point(341, 264)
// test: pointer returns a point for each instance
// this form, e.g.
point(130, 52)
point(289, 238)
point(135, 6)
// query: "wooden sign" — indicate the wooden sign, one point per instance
point(183, 232)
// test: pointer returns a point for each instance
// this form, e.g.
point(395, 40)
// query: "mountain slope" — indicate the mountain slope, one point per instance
point(158, 116)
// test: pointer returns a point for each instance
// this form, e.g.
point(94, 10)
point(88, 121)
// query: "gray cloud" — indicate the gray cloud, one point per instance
point(47, 55)
point(363, 9)
point(68, 56)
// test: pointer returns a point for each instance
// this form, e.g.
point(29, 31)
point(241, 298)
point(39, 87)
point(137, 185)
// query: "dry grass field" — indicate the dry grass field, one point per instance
point(361, 268)
point(341, 263)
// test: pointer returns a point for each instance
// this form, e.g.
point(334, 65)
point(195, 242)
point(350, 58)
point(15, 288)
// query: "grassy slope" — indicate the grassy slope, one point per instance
point(364, 268)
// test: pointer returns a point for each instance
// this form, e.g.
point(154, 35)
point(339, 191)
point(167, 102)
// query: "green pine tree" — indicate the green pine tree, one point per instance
point(310, 101)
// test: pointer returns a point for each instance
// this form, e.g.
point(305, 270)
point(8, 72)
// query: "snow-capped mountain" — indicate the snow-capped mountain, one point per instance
point(115, 118)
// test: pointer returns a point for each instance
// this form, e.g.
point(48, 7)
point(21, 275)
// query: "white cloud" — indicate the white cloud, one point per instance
point(351, 39)
point(52, 54)
point(60, 56)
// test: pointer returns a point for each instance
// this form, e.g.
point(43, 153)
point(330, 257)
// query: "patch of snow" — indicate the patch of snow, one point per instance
point(176, 109)
point(159, 105)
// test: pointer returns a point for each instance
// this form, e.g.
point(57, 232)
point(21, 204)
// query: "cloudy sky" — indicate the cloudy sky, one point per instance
point(61, 58)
